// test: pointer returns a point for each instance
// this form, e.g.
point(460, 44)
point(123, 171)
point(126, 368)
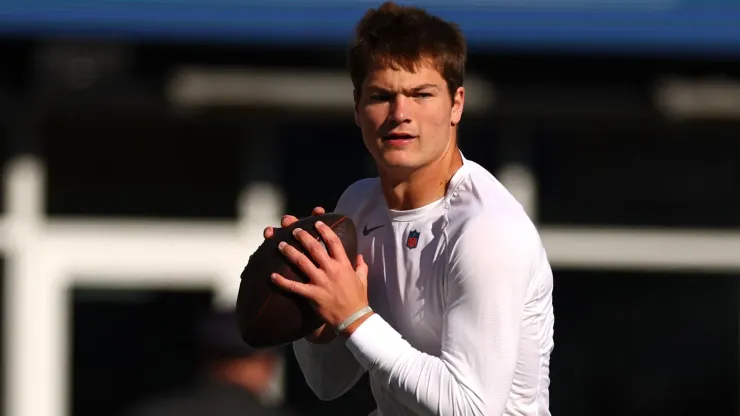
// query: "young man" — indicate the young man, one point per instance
point(458, 281)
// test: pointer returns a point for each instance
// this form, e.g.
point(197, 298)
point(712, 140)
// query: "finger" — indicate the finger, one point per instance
point(269, 232)
point(318, 211)
point(361, 268)
point(287, 220)
point(315, 249)
point(301, 289)
point(333, 243)
point(301, 261)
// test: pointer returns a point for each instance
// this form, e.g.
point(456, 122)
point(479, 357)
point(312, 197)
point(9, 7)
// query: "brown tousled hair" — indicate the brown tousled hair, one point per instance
point(406, 37)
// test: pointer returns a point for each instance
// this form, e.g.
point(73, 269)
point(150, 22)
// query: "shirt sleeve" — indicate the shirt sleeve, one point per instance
point(330, 369)
point(490, 265)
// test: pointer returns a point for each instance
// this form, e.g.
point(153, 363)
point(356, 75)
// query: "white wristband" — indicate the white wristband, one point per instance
point(352, 318)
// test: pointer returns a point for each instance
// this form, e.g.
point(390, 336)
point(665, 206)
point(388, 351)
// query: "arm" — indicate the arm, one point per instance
point(489, 272)
point(330, 369)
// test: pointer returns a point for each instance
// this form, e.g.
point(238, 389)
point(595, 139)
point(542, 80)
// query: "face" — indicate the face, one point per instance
point(408, 119)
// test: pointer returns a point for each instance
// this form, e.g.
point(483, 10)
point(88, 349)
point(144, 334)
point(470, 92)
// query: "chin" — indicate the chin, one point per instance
point(398, 159)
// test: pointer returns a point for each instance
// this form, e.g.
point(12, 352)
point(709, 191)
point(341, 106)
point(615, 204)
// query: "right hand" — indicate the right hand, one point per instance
point(324, 334)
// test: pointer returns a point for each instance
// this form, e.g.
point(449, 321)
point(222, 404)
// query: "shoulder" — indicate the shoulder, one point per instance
point(496, 233)
point(487, 224)
point(361, 186)
point(356, 194)
point(479, 189)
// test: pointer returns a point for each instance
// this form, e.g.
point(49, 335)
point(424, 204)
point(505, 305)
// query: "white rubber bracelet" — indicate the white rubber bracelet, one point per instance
point(352, 318)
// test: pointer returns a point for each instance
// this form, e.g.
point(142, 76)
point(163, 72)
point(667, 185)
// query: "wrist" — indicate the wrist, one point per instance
point(356, 324)
point(353, 320)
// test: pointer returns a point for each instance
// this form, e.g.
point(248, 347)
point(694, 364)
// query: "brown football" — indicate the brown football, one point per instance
point(269, 316)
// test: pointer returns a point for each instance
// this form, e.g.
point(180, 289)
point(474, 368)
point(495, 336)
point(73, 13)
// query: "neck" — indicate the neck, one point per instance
point(405, 190)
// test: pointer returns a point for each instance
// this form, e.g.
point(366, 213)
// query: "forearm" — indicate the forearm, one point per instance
point(330, 369)
point(426, 384)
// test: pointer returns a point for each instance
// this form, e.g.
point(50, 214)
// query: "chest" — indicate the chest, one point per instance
point(406, 281)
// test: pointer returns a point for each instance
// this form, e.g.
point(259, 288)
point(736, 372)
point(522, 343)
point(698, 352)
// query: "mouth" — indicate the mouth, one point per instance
point(398, 139)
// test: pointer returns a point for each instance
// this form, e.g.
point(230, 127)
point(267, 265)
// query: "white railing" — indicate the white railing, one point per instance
point(46, 256)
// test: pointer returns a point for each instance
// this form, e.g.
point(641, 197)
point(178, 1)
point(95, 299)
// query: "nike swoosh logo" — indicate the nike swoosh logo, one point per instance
point(366, 231)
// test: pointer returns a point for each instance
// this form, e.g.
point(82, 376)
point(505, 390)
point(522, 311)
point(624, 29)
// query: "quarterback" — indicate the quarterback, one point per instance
point(449, 308)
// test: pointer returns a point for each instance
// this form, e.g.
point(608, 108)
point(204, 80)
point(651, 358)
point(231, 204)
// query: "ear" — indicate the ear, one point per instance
point(356, 97)
point(458, 103)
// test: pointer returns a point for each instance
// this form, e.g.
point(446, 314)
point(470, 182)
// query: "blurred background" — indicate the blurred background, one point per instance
point(146, 144)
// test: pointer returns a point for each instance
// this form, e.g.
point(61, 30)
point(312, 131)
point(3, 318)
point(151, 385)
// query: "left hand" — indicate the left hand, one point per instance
point(336, 289)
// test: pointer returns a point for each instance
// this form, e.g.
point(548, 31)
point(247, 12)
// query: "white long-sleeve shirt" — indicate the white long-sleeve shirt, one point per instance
point(462, 291)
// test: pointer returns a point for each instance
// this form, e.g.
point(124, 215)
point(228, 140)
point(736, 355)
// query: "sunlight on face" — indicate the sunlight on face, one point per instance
point(408, 119)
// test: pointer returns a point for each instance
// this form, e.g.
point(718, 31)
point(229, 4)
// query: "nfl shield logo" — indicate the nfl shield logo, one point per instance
point(413, 239)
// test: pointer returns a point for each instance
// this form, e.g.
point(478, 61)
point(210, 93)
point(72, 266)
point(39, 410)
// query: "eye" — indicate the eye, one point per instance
point(381, 97)
point(423, 95)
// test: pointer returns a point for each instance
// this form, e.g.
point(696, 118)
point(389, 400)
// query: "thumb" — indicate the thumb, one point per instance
point(361, 269)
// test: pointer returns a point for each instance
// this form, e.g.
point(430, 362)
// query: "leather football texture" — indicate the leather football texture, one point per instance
point(268, 316)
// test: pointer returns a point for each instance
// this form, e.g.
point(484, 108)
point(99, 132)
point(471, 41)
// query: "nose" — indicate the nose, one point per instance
point(399, 109)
